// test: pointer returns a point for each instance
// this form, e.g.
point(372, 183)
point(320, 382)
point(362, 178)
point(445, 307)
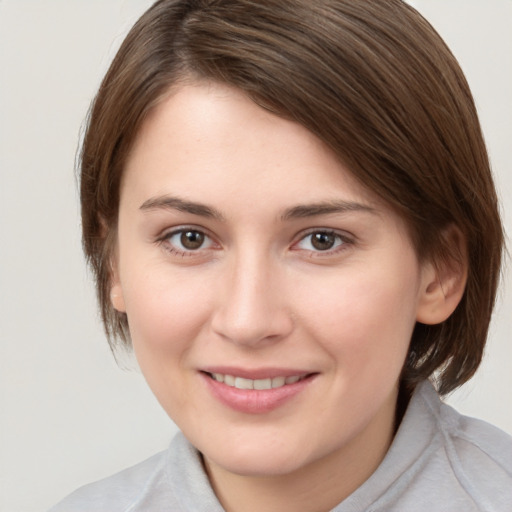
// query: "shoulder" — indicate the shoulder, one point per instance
point(170, 480)
point(470, 437)
point(478, 454)
point(439, 460)
point(118, 492)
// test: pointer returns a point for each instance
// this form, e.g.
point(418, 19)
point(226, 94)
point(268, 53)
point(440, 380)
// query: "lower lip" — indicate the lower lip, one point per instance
point(252, 401)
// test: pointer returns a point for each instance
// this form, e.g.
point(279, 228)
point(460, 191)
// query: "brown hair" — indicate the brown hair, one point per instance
point(370, 78)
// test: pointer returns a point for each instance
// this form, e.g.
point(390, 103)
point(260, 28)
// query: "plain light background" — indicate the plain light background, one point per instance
point(68, 414)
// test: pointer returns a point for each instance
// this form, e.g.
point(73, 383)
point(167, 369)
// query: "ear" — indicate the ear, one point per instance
point(116, 288)
point(117, 298)
point(444, 280)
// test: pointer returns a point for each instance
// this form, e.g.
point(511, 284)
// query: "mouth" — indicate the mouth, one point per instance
point(265, 391)
point(257, 384)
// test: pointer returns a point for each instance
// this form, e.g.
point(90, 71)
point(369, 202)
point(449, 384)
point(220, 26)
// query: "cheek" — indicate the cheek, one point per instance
point(365, 320)
point(165, 316)
point(165, 311)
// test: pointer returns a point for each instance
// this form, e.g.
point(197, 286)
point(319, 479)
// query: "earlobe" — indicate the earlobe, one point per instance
point(443, 281)
point(116, 290)
point(117, 299)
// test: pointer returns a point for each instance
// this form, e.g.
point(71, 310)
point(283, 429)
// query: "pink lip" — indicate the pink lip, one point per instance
point(252, 401)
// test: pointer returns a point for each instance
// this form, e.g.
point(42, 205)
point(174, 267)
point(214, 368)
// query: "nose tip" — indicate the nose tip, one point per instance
point(251, 311)
point(240, 332)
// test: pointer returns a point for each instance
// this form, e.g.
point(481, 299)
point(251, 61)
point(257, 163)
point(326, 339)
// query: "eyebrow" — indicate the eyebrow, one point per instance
point(175, 203)
point(326, 208)
point(167, 202)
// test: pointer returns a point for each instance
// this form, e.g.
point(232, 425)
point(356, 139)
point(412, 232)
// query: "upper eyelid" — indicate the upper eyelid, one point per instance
point(345, 235)
point(164, 241)
point(167, 232)
point(303, 233)
point(347, 242)
point(171, 231)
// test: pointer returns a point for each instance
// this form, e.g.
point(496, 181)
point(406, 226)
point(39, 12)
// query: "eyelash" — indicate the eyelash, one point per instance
point(342, 242)
point(165, 241)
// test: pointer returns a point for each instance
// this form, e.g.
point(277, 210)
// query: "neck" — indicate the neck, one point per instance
point(317, 487)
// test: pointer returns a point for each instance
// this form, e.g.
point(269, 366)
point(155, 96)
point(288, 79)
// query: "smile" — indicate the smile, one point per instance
point(256, 391)
point(259, 395)
point(257, 384)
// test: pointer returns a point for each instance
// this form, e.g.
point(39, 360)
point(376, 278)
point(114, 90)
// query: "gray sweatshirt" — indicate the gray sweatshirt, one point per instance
point(439, 461)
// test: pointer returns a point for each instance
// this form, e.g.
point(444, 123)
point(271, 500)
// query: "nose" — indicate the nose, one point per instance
point(251, 309)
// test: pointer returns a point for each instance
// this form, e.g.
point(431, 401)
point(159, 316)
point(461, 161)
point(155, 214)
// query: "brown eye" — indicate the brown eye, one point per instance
point(323, 241)
point(192, 239)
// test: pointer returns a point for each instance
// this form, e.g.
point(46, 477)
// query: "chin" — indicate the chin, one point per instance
point(268, 467)
point(258, 460)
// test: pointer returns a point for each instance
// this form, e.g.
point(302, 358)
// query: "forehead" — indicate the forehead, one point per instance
point(206, 133)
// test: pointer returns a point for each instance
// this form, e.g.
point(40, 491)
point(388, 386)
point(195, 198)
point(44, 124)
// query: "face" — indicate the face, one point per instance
point(270, 298)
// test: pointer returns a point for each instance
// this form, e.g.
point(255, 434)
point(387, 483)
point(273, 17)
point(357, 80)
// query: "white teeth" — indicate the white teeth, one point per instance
point(259, 384)
point(241, 383)
point(263, 384)
point(277, 382)
point(229, 380)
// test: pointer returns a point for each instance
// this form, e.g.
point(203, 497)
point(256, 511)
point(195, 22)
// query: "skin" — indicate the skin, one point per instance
point(258, 294)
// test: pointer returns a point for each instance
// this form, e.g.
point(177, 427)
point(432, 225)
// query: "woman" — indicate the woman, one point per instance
point(290, 215)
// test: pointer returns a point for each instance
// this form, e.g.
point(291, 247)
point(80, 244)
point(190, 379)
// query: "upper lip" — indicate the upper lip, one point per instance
point(256, 373)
